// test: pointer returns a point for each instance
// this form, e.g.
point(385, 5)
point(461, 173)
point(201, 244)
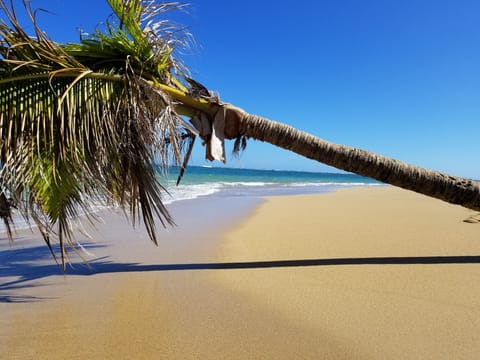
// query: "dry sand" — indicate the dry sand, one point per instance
point(371, 273)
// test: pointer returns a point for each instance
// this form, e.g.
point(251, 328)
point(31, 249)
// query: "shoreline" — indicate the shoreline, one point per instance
point(275, 287)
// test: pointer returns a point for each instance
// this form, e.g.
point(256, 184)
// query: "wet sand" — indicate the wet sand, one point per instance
point(368, 273)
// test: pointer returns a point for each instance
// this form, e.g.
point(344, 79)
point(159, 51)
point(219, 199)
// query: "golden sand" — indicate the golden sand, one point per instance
point(371, 273)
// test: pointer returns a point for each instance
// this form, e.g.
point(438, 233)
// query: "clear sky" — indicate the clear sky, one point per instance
point(400, 78)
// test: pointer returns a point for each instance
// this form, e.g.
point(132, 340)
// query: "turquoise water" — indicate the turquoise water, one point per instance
point(201, 181)
point(222, 181)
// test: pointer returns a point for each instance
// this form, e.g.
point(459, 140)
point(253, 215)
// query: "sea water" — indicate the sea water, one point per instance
point(203, 181)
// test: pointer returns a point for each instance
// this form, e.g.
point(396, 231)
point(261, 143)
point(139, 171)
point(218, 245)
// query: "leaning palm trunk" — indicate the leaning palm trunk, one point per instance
point(455, 190)
point(234, 123)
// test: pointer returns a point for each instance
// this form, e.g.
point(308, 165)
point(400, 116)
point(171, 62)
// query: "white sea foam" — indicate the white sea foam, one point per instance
point(332, 184)
point(254, 188)
point(249, 183)
point(238, 188)
point(188, 192)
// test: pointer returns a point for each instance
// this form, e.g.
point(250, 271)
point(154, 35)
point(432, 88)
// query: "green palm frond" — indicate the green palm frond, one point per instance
point(137, 35)
point(67, 139)
point(83, 123)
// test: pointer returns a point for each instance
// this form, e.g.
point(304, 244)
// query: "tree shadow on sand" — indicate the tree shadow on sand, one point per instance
point(20, 268)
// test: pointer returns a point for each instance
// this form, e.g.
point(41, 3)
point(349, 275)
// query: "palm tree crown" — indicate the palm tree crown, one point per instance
point(83, 123)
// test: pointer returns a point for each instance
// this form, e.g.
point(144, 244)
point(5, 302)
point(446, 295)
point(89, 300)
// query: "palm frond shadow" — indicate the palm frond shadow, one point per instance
point(20, 267)
point(24, 266)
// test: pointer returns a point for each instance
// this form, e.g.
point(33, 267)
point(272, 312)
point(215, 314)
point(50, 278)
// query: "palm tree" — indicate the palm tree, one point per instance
point(81, 123)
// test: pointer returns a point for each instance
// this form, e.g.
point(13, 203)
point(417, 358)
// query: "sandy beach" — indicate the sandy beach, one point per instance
point(361, 273)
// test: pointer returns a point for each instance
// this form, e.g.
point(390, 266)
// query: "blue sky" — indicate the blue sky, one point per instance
point(400, 78)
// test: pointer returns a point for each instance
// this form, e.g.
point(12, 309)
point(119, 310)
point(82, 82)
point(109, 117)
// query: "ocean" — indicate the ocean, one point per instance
point(204, 181)
point(199, 181)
